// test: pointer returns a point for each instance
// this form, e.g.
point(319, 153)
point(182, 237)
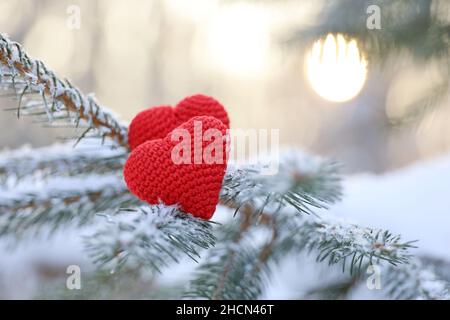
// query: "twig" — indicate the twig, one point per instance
point(39, 78)
point(245, 224)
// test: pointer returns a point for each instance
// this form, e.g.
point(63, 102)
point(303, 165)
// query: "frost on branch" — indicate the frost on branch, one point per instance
point(242, 261)
point(415, 281)
point(41, 93)
point(59, 159)
point(148, 236)
point(302, 182)
point(250, 245)
point(355, 247)
point(55, 185)
point(241, 190)
point(60, 200)
point(240, 264)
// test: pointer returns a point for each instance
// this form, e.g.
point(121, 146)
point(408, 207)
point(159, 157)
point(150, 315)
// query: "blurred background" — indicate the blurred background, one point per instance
point(374, 99)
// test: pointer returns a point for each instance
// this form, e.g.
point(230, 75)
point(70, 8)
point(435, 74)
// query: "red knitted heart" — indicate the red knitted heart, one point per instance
point(157, 122)
point(151, 172)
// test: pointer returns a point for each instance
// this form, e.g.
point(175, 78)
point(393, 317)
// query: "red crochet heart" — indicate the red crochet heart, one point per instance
point(157, 122)
point(151, 172)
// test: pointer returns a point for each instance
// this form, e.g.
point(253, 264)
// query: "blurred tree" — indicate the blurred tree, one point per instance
point(418, 28)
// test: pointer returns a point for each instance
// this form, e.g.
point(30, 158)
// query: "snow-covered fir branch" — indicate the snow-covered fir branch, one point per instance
point(242, 185)
point(249, 190)
point(59, 159)
point(240, 264)
point(60, 200)
point(339, 241)
point(403, 277)
point(149, 237)
point(229, 270)
point(41, 93)
point(415, 280)
point(302, 181)
point(441, 267)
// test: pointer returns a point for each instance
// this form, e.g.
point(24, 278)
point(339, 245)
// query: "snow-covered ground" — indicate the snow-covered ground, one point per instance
point(413, 201)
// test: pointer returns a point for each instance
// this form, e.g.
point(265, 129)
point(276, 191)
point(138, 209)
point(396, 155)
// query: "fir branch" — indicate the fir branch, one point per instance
point(149, 237)
point(414, 281)
point(239, 266)
point(47, 96)
point(28, 207)
point(336, 290)
point(440, 266)
point(230, 258)
point(224, 274)
point(407, 25)
point(302, 182)
point(422, 106)
point(338, 241)
point(61, 159)
point(416, 27)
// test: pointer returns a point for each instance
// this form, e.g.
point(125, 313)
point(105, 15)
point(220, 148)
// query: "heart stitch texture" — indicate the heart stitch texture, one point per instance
point(157, 122)
point(153, 176)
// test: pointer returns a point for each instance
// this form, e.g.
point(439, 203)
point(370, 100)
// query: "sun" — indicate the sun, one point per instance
point(336, 69)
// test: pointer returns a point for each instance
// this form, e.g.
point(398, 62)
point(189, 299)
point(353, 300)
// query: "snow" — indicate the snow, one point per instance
point(252, 183)
point(412, 202)
point(291, 164)
point(21, 270)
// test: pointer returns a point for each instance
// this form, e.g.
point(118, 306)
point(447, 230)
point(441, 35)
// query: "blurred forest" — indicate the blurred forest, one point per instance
point(249, 55)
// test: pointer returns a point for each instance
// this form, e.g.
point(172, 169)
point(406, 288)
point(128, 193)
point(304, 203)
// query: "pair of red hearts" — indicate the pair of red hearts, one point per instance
point(150, 171)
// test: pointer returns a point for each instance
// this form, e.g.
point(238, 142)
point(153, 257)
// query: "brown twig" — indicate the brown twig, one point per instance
point(36, 75)
point(266, 251)
point(245, 224)
point(248, 217)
